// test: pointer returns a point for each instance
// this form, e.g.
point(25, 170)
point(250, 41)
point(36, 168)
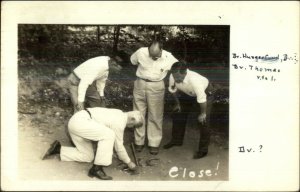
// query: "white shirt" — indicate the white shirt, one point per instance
point(150, 69)
point(95, 69)
point(116, 120)
point(193, 85)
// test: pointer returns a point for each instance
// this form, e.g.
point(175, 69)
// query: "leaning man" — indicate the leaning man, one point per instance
point(106, 126)
point(190, 90)
point(153, 64)
point(87, 82)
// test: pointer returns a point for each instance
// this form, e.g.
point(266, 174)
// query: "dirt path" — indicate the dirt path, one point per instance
point(37, 131)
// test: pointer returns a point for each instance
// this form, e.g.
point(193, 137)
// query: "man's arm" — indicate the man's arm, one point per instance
point(172, 86)
point(88, 73)
point(202, 116)
point(122, 153)
point(177, 107)
point(134, 58)
point(82, 87)
point(172, 59)
point(173, 89)
point(201, 99)
point(100, 84)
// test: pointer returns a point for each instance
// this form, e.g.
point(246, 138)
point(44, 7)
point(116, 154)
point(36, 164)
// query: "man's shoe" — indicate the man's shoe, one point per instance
point(97, 171)
point(153, 150)
point(171, 144)
point(138, 148)
point(54, 149)
point(200, 154)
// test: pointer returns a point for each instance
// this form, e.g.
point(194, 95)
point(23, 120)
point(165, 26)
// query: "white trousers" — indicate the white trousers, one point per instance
point(149, 95)
point(83, 130)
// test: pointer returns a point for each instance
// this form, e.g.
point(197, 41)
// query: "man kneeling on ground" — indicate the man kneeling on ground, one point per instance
point(98, 124)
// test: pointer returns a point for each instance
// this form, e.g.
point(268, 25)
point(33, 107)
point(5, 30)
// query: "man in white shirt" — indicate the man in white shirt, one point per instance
point(153, 64)
point(190, 88)
point(87, 82)
point(106, 126)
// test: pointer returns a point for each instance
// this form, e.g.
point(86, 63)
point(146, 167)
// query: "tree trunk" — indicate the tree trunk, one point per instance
point(98, 33)
point(184, 44)
point(116, 38)
point(185, 50)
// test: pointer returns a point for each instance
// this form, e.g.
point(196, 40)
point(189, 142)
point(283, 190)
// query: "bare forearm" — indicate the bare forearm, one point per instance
point(203, 107)
point(176, 98)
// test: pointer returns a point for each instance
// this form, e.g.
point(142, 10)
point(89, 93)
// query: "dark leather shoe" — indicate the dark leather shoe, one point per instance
point(97, 171)
point(54, 149)
point(200, 154)
point(138, 148)
point(171, 144)
point(153, 150)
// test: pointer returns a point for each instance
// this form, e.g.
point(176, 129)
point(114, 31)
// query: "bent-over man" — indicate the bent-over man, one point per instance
point(153, 64)
point(106, 126)
point(87, 82)
point(190, 90)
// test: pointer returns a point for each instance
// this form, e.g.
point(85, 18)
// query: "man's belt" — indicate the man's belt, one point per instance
point(147, 80)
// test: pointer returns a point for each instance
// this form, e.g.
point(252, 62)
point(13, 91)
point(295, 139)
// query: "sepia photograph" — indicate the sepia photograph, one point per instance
point(123, 102)
point(150, 96)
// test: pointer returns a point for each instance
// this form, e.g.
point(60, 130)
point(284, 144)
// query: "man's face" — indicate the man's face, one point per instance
point(179, 77)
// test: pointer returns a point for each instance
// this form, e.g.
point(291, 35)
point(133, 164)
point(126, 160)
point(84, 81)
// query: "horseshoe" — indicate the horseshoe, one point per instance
point(150, 162)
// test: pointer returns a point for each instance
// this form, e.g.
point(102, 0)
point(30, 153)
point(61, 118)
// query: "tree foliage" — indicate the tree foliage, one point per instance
point(203, 45)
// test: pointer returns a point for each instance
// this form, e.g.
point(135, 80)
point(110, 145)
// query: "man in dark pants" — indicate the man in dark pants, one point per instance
point(191, 91)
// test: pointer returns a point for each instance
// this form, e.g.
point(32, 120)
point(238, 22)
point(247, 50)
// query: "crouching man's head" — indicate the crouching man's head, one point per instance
point(179, 71)
point(135, 119)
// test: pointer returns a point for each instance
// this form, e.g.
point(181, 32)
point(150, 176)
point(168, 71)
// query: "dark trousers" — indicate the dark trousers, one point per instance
point(189, 104)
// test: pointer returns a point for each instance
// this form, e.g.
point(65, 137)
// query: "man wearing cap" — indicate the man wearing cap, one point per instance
point(87, 82)
point(191, 91)
point(106, 126)
point(153, 64)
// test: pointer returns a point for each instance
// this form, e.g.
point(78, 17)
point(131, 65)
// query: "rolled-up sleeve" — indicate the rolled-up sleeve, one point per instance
point(134, 58)
point(171, 60)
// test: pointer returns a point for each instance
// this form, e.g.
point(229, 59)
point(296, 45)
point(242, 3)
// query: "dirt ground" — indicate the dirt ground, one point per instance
point(42, 124)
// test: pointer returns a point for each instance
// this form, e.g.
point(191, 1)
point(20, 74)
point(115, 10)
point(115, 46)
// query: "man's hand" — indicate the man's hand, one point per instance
point(131, 166)
point(177, 108)
point(202, 118)
point(79, 106)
